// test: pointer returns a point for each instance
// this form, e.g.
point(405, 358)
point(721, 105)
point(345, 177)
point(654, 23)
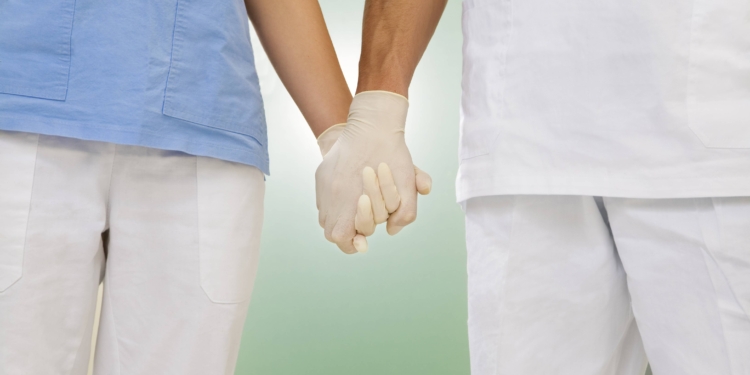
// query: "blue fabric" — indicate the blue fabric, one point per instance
point(170, 74)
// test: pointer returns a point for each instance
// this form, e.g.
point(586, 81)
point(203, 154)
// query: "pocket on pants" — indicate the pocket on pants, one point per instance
point(17, 162)
point(730, 243)
point(230, 218)
point(718, 92)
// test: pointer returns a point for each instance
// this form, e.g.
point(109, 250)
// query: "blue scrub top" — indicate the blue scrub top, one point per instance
point(168, 74)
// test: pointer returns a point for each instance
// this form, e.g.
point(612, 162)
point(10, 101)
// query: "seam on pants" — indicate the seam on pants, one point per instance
point(109, 191)
point(198, 229)
point(84, 337)
point(604, 212)
point(620, 341)
point(114, 330)
point(28, 214)
point(729, 284)
point(106, 293)
point(504, 293)
point(705, 252)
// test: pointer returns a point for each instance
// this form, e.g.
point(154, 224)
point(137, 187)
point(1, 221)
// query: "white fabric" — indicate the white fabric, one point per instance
point(628, 98)
point(183, 249)
point(582, 285)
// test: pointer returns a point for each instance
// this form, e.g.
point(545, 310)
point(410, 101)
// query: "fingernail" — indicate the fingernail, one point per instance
point(360, 243)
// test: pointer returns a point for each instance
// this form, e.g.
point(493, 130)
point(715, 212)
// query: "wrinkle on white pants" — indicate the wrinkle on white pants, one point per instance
point(553, 291)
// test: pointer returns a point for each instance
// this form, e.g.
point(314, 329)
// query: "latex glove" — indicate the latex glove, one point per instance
point(374, 134)
point(370, 214)
point(380, 199)
point(327, 139)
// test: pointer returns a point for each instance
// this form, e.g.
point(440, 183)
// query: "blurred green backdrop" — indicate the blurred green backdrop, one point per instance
point(400, 308)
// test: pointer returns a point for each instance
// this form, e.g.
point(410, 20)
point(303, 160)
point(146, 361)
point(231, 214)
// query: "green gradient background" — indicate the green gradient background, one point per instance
point(400, 308)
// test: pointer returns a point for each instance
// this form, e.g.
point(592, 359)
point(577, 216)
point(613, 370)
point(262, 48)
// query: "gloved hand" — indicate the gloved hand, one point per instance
point(328, 138)
point(373, 137)
point(381, 198)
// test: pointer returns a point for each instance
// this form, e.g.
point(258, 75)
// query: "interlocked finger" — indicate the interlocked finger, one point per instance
point(424, 181)
point(392, 228)
point(372, 189)
point(363, 221)
point(388, 188)
point(360, 243)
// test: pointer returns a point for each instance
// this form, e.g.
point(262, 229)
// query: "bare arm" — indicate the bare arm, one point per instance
point(394, 37)
point(295, 37)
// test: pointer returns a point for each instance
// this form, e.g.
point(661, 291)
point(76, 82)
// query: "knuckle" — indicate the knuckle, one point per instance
point(408, 217)
point(347, 251)
point(338, 238)
point(328, 233)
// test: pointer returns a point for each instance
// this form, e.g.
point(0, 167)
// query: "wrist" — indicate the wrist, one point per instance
point(389, 84)
point(378, 112)
point(382, 74)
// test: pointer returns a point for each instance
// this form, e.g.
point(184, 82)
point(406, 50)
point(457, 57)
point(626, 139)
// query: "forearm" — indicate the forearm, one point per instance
point(294, 36)
point(394, 37)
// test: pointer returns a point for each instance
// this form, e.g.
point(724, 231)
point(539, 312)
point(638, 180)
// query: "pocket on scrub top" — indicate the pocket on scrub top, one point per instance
point(212, 79)
point(718, 92)
point(17, 162)
point(35, 47)
point(486, 26)
point(230, 220)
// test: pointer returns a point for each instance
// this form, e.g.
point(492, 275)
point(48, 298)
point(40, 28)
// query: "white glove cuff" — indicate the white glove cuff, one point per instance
point(328, 138)
point(379, 111)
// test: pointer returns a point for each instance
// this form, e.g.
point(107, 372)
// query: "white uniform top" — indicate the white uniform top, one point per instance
point(623, 98)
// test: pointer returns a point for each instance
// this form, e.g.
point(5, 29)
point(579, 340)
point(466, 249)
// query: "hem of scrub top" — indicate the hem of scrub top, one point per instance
point(250, 156)
point(740, 188)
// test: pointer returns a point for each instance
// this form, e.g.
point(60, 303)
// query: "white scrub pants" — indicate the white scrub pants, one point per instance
point(583, 286)
point(182, 255)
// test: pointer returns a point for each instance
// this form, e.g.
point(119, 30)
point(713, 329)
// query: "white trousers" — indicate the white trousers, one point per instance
point(584, 286)
point(182, 255)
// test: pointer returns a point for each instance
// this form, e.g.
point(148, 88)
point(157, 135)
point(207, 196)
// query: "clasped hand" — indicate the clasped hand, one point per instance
point(367, 176)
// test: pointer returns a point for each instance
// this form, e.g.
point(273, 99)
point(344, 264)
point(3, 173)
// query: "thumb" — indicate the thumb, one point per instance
point(407, 209)
point(424, 181)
